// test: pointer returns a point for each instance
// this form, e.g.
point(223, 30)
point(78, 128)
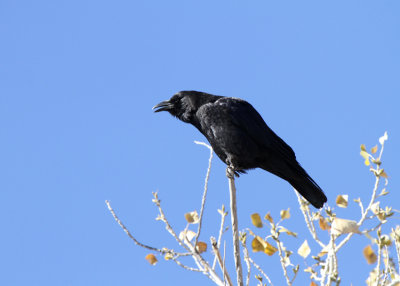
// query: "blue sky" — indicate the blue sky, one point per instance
point(77, 83)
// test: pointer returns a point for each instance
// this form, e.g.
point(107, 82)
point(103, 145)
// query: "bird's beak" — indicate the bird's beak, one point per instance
point(163, 106)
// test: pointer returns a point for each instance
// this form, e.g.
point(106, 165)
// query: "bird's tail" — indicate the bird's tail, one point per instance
point(308, 188)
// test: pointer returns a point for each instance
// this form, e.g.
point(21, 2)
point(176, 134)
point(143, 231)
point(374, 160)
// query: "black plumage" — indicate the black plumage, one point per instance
point(241, 138)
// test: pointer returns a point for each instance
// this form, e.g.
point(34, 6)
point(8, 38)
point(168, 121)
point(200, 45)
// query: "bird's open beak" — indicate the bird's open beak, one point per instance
point(163, 106)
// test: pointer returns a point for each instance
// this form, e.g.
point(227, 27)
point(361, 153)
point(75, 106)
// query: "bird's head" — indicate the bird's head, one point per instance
point(184, 104)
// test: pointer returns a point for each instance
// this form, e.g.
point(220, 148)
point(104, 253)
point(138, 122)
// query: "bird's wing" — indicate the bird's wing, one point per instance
point(244, 116)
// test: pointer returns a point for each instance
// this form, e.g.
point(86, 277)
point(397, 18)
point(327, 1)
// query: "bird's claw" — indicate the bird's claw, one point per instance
point(231, 173)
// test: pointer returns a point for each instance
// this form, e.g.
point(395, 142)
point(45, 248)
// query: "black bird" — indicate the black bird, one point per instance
point(241, 138)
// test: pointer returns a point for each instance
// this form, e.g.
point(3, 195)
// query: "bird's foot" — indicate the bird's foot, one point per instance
point(231, 173)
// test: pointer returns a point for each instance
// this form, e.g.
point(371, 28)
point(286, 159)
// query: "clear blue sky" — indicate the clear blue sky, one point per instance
point(77, 83)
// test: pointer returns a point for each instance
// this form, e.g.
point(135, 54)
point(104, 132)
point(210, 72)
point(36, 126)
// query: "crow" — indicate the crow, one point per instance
point(241, 138)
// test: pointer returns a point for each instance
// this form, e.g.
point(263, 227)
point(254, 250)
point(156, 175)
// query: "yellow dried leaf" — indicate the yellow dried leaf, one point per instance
point(201, 247)
point(285, 214)
point(383, 138)
point(151, 259)
point(342, 201)
point(383, 174)
point(168, 256)
point(313, 283)
point(192, 217)
point(362, 147)
point(341, 226)
point(369, 255)
point(304, 250)
point(374, 149)
point(324, 251)
point(323, 224)
point(269, 249)
point(365, 155)
point(256, 220)
point(283, 229)
point(259, 244)
point(269, 218)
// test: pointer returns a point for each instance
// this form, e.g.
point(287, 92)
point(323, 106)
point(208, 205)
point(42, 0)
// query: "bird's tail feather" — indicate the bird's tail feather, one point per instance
point(309, 189)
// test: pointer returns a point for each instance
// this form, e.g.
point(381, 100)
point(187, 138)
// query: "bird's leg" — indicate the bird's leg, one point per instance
point(230, 172)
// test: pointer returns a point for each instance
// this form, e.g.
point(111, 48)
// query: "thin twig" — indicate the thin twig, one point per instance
point(163, 218)
point(364, 214)
point(309, 223)
point(387, 266)
point(246, 259)
point(162, 251)
point(185, 266)
point(282, 260)
point(203, 201)
point(203, 264)
point(260, 270)
point(332, 262)
point(220, 261)
point(223, 214)
point(235, 230)
point(371, 202)
point(378, 266)
point(199, 260)
point(224, 257)
point(397, 246)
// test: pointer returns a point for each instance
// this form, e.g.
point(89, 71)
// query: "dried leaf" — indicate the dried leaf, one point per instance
point(324, 251)
point(168, 256)
point(269, 218)
point(285, 230)
point(341, 226)
point(342, 201)
point(385, 240)
point(304, 250)
point(151, 259)
point(259, 244)
point(285, 214)
point(313, 283)
point(189, 235)
point(201, 247)
point(270, 249)
point(383, 174)
point(192, 217)
point(362, 147)
point(366, 156)
point(374, 149)
point(369, 255)
point(383, 138)
point(323, 223)
point(256, 220)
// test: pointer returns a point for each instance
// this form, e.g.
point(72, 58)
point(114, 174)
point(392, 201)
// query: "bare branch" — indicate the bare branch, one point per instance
point(246, 257)
point(307, 217)
point(223, 214)
point(162, 251)
point(203, 201)
point(282, 260)
point(260, 270)
point(364, 214)
point(220, 261)
point(235, 230)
